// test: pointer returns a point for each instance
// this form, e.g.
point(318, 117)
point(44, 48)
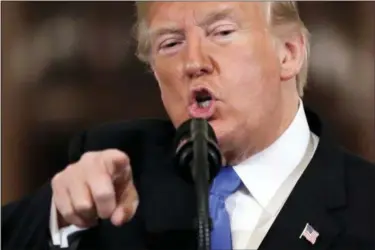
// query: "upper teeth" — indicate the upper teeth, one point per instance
point(204, 104)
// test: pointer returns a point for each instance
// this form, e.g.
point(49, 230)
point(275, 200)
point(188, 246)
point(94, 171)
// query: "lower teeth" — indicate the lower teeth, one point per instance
point(204, 104)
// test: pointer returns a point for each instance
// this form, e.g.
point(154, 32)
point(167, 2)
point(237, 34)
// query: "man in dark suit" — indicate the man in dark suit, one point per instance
point(242, 67)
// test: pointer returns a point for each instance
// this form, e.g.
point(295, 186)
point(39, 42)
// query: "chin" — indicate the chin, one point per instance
point(219, 129)
point(225, 132)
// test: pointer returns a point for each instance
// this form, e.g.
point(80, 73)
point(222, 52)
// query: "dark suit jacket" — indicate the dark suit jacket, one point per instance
point(335, 194)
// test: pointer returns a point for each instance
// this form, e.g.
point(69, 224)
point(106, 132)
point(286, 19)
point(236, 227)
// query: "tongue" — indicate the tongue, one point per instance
point(202, 110)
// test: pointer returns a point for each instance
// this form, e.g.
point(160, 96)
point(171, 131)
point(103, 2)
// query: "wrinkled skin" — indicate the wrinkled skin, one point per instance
point(236, 56)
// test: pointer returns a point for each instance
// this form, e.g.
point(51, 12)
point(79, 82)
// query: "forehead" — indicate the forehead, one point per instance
point(184, 13)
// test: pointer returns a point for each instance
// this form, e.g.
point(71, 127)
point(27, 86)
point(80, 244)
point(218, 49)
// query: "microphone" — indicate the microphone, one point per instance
point(198, 160)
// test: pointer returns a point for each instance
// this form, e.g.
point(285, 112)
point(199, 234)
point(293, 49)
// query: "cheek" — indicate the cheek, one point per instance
point(168, 84)
point(170, 96)
point(250, 77)
point(256, 62)
point(173, 96)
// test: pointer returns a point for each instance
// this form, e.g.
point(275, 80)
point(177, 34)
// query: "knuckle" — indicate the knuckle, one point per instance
point(69, 169)
point(56, 180)
point(114, 153)
point(103, 195)
point(83, 206)
point(89, 156)
point(67, 214)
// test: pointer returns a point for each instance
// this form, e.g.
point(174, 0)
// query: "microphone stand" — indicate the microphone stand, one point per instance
point(200, 171)
point(198, 158)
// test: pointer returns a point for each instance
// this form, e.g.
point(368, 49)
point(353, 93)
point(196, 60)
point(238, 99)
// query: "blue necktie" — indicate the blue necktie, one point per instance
point(224, 184)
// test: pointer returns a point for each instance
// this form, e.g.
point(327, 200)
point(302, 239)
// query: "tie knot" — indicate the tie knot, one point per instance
point(226, 182)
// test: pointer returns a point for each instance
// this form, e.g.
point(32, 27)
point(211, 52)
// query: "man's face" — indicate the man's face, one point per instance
point(218, 61)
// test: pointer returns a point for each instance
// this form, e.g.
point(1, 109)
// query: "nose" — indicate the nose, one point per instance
point(197, 62)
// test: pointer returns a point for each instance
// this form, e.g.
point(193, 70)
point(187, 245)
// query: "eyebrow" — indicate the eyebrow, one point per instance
point(217, 15)
point(165, 30)
point(211, 18)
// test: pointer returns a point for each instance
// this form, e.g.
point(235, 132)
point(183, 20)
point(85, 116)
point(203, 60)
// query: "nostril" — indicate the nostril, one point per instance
point(197, 73)
point(197, 69)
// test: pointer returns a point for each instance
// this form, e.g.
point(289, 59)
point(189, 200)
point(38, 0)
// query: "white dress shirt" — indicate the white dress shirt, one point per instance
point(262, 174)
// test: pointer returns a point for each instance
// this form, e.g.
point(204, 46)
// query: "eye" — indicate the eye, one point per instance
point(169, 44)
point(224, 32)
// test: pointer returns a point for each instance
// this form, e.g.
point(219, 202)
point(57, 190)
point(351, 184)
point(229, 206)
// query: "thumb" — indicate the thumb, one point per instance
point(126, 206)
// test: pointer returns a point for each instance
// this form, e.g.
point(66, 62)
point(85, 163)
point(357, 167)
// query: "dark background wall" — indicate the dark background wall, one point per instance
point(67, 66)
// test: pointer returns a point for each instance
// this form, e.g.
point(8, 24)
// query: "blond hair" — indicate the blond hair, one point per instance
point(278, 14)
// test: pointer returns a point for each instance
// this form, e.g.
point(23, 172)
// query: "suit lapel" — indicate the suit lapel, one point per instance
point(316, 199)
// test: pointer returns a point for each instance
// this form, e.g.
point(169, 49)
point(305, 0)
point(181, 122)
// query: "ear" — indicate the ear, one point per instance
point(292, 54)
point(154, 72)
point(151, 69)
point(156, 76)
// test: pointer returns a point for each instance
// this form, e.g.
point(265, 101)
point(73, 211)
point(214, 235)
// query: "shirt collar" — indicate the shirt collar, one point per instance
point(263, 173)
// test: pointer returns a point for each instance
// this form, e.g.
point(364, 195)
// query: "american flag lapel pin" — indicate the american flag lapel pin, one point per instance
point(309, 233)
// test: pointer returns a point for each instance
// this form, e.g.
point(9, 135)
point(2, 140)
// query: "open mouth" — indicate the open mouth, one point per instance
point(202, 103)
point(203, 98)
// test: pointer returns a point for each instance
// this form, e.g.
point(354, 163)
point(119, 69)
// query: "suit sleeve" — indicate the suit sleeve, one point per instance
point(25, 223)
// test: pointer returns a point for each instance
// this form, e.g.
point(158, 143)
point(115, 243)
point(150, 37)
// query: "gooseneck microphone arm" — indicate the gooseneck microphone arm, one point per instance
point(200, 172)
point(199, 160)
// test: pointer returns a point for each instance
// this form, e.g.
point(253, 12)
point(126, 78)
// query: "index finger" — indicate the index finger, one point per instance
point(115, 162)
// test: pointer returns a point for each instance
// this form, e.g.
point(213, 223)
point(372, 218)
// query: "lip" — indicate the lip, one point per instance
point(195, 89)
point(198, 112)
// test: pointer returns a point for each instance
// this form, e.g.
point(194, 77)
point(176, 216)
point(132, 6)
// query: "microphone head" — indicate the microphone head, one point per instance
point(184, 154)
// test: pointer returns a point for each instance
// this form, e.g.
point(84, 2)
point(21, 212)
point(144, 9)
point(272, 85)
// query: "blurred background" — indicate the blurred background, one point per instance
point(67, 66)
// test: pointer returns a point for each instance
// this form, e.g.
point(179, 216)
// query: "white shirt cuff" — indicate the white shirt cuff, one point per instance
point(60, 236)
